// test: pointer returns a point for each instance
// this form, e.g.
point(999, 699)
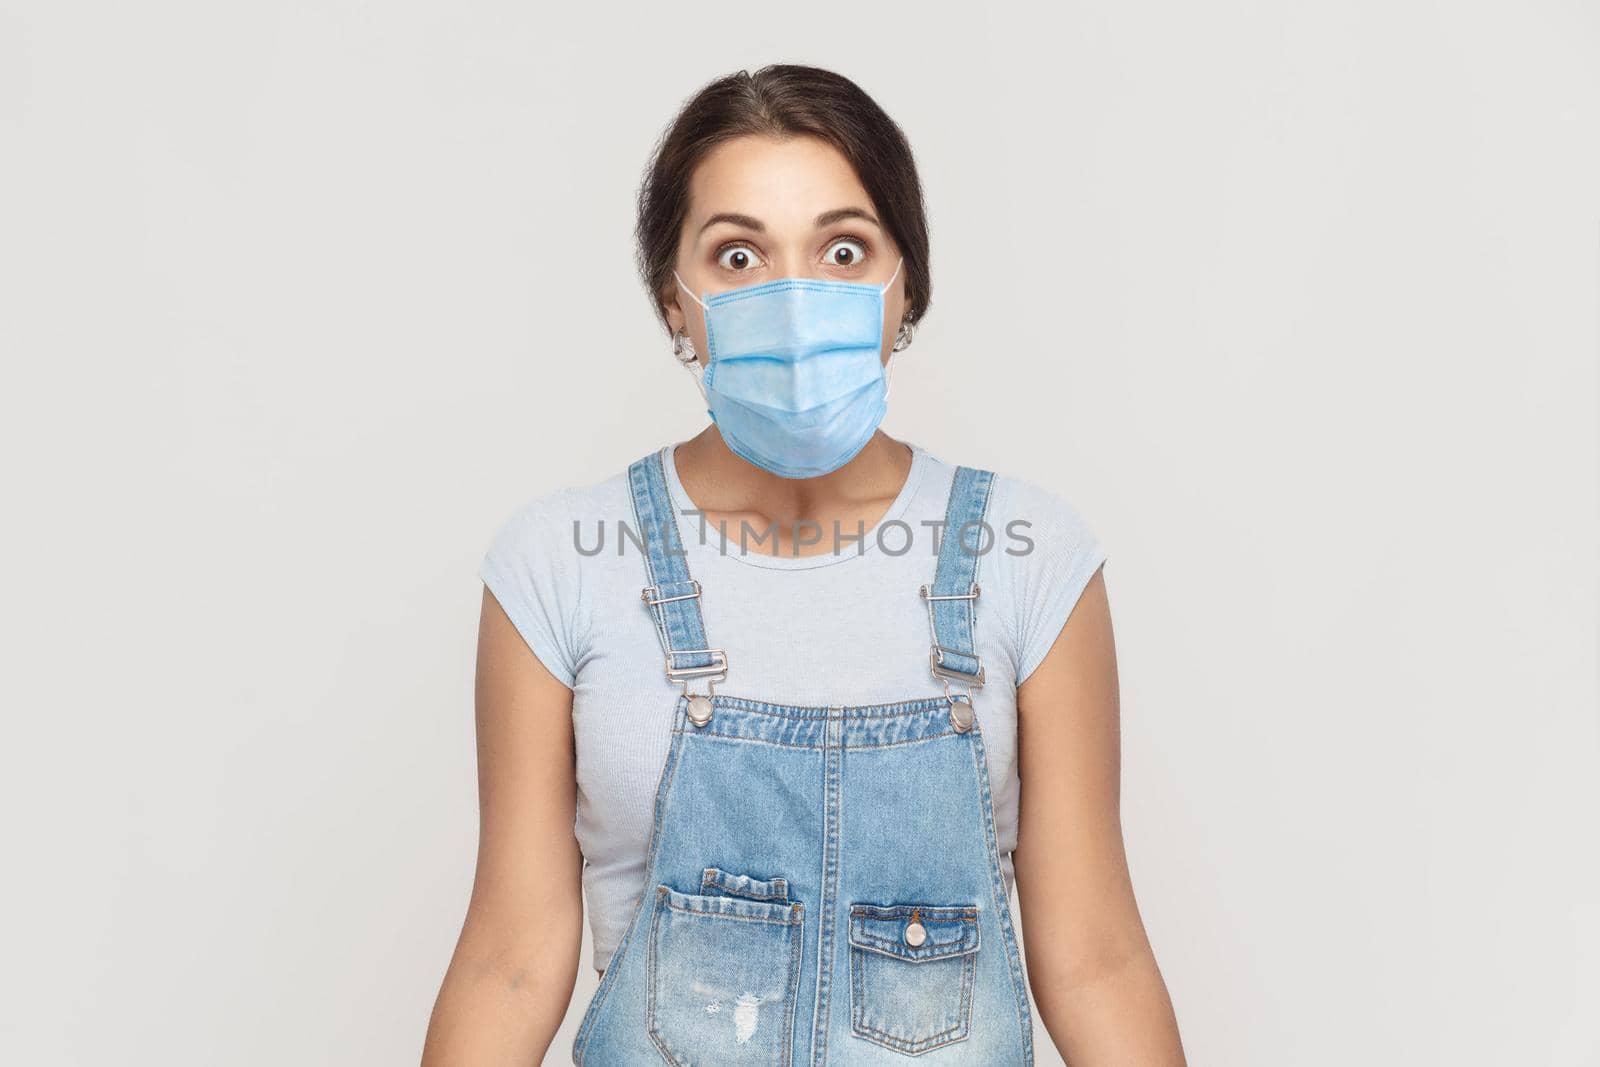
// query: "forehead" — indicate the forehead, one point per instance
point(786, 183)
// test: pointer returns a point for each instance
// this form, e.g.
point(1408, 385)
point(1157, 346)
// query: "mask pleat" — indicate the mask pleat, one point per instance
point(794, 378)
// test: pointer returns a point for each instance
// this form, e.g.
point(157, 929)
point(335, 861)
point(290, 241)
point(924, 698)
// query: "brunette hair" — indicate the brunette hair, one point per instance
point(784, 100)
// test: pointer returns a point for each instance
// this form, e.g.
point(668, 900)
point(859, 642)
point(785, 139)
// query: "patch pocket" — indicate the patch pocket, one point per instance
point(911, 974)
point(724, 977)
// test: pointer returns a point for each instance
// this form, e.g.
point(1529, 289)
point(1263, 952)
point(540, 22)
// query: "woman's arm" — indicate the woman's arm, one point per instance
point(1093, 974)
point(511, 978)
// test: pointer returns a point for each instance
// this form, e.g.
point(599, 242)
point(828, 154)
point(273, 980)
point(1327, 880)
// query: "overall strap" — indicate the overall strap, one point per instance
point(951, 600)
point(673, 598)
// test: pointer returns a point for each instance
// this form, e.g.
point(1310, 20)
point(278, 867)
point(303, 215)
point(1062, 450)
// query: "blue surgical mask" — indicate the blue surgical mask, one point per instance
point(793, 377)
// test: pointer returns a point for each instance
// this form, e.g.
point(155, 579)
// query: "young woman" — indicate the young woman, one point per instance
point(795, 703)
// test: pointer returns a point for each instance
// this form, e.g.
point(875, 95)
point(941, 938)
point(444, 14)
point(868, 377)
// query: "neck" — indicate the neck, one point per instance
point(725, 486)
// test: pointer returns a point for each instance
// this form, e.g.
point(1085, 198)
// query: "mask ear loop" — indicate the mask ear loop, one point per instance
point(696, 371)
point(892, 277)
point(696, 299)
point(888, 367)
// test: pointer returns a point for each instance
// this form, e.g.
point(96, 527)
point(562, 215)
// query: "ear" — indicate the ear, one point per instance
point(673, 311)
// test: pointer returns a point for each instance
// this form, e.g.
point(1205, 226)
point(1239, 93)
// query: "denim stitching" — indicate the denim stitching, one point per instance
point(608, 980)
point(789, 920)
point(721, 879)
point(870, 714)
point(900, 951)
point(1019, 988)
point(650, 976)
point(833, 817)
point(969, 941)
point(796, 940)
point(679, 623)
point(859, 1026)
point(794, 921)
point(941, 912)
point(701, 731)
point(977, 565)
point(939, 707)
point(904, 741)
point(824, 711)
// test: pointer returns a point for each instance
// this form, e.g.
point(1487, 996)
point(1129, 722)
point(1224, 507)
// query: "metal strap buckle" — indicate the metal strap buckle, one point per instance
point(699, 711)
point(940, 671)
point(936, 653)
point(648, 599)
point(717, 666)
point(973, 595)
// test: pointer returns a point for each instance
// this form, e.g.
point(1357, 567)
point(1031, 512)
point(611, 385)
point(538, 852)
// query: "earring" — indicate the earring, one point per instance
point(902, 337)
point(683, 348)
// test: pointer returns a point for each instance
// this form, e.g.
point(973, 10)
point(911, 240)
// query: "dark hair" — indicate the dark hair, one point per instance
point(785, 100)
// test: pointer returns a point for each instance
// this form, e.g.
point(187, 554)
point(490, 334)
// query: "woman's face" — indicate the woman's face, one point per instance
point(762, 208)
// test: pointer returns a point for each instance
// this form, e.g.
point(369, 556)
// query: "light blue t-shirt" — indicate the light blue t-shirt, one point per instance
point(844, 627)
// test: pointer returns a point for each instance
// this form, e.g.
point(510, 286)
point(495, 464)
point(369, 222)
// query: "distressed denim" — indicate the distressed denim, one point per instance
point(824, 884)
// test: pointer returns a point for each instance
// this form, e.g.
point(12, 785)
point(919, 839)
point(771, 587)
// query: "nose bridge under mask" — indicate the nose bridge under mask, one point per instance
point(794, 378)
point(793, 320)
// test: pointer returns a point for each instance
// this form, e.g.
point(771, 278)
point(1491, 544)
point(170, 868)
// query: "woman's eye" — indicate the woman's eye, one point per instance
point(737, 257)
point(845, 252)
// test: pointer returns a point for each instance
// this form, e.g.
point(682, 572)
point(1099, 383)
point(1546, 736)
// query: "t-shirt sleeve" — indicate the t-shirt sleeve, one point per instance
point(532, 569)
point(1049, 554)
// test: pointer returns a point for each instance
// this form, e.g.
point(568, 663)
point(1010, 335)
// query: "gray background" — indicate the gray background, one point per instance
point(1297, 303)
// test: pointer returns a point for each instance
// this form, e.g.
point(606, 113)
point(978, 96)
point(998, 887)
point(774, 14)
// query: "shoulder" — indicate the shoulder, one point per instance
point(538, 564)
point(532, 518)
point(1018, 508)
point(544, 533)
point(546, 519)
point(1025, 511)
point(1021, 514)
point(1043, 553)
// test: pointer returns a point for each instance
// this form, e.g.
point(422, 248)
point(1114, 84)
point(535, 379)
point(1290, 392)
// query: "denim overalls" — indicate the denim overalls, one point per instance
point(823, 883)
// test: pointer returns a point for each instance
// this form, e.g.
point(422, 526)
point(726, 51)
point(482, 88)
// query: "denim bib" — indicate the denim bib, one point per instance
point(823, 882)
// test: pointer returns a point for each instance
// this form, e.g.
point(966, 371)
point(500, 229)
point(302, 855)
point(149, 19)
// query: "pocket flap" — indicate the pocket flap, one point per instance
point(952, 929)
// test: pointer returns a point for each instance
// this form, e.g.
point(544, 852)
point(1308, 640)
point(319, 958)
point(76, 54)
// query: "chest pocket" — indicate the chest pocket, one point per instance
point(724, 974)
point(911, 974)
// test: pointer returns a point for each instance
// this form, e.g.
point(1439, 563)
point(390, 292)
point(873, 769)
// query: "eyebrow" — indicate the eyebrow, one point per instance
point(827, 218)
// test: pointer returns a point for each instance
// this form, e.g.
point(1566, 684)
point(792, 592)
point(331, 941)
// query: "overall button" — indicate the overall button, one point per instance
point(961, 715)
point(699, 710)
